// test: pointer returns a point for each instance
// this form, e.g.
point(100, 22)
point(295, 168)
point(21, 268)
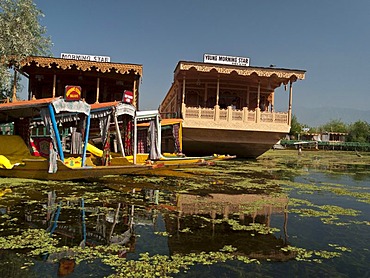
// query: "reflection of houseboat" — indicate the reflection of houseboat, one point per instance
point(211, 229)
point(229, 109)
point(79, 225)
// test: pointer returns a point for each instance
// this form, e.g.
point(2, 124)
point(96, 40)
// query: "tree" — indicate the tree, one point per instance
point(359, 132)
point(21, 35)
point(334, 126)
point(295, 126)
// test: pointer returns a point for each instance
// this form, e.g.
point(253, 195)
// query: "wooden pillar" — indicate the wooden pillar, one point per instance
point(258, 95)
point(134, 91)
point(258, 110)
point(205, 94)
point(290, 103)
point(272, 101)
point(218, 91)
point(183, 90)
point(14, 97)
point(54, 84)
point(29, 88)
point(97, 89)
point(248, 94)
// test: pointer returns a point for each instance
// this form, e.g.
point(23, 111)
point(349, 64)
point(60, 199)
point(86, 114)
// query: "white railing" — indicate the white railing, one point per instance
point(243, 115)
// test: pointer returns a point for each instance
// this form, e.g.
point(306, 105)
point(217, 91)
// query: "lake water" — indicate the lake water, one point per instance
point(282, 215)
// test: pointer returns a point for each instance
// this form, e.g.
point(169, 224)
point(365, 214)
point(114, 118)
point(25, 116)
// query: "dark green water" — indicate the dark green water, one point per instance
point(236, 219)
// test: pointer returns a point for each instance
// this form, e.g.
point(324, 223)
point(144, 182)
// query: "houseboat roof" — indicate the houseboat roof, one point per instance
point(82, 65)
point(103, 105)
point(121, 108)
point(285, 75)
point(30, 108)
point(22, 109)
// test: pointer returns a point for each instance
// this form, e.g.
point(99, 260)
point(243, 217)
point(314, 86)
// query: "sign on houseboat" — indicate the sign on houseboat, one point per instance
point(72, 93)
point(84, 57)
point(226, 60)
point(128, 96)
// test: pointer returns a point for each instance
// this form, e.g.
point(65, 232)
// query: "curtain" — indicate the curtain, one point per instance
point(154, 152)
point(53, 152)
point(176, 137)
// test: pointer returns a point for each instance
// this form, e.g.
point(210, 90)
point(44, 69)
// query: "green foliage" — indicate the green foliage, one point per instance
point(359, 132)
point(21, 35)
point(334, 126)
point(295, 127)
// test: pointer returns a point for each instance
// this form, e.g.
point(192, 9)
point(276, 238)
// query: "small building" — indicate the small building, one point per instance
point(333, 136)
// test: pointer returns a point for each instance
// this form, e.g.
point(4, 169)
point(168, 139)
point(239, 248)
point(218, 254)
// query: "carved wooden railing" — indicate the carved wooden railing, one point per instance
point(237, 115)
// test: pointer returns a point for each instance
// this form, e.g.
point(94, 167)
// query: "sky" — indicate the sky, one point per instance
point(328, 39)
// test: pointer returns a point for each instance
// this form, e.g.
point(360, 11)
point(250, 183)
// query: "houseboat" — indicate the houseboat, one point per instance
point(99, 81)
point(228, 106)
point(103, 84)
point(57, 124)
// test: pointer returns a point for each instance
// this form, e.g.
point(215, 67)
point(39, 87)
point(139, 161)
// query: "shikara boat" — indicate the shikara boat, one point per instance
point(60, 151)
point(137, 137)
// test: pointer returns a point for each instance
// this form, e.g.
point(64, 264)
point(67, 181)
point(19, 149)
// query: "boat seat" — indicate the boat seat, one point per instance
point(14, 151)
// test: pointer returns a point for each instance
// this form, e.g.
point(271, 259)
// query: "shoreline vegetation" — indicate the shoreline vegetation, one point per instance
point(313, 157)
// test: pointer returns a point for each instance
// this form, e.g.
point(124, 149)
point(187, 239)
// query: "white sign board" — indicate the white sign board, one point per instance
point(84, 57)
point(226, 60)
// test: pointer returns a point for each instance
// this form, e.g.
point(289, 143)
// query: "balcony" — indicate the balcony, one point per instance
point(239, 119)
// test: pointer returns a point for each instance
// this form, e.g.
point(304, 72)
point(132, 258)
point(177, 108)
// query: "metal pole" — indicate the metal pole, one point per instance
point(56, 132)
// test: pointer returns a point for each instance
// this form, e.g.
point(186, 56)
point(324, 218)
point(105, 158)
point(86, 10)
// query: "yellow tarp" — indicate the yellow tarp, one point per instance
point(13, 150)
point(94, 150)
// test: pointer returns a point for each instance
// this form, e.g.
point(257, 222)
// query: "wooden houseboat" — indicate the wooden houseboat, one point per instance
point(229, 109)
point(103, 84)
point(100, 81)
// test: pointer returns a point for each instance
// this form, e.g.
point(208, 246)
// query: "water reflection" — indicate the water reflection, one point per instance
point(77, 223)
point(191, 223)
point(240, 220)
point(241, 204)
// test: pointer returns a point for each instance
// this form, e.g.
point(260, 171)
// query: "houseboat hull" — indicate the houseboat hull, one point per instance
point(242, 143)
